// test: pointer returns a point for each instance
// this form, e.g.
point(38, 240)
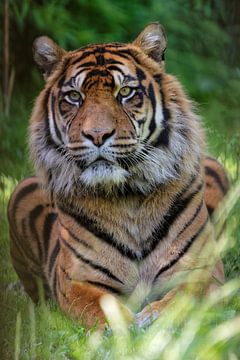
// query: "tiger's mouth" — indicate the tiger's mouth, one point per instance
point(101, 161)
point(103, 172)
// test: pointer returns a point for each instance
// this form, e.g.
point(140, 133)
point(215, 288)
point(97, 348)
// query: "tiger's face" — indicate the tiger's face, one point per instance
point(102, 110)
point(106, 125)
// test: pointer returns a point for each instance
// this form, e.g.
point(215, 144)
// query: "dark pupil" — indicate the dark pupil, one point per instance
point(74, 95)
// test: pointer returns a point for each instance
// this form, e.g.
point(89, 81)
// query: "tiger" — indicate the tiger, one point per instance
point(122, 200)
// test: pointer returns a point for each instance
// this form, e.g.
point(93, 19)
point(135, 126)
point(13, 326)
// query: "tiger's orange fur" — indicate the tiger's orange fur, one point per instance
point(120, 204)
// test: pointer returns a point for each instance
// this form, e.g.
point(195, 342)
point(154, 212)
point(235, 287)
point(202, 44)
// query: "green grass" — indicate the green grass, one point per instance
point(194, 329)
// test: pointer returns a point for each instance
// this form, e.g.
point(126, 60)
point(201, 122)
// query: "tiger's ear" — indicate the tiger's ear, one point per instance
point(153, 42)
point(47, 54)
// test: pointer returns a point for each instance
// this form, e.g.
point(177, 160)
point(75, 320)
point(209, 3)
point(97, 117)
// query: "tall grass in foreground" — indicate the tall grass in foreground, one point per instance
point(207, 328)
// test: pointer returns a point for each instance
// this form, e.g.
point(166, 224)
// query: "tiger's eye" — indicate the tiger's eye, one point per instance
point(74, 95)
point(125, 91)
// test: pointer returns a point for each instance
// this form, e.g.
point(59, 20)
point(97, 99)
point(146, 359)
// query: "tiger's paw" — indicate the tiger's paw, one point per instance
point(146, 317)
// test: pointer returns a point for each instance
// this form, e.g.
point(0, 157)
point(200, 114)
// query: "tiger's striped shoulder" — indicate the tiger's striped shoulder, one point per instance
point(29, 190)
point(216, 183)
point(30, 210)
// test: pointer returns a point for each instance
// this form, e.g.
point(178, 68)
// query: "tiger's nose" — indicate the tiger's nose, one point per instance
point(98, 135)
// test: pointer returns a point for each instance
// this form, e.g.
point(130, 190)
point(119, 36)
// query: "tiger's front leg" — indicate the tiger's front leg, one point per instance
point(196, 274)
point(152, 311)
point(203, 284)
point(74, 286)
point(81, 300)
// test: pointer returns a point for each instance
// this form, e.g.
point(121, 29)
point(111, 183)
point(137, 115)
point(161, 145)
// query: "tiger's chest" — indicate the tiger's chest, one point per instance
point(117, 253)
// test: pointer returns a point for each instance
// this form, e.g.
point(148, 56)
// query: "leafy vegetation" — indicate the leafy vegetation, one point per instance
point(203, 53)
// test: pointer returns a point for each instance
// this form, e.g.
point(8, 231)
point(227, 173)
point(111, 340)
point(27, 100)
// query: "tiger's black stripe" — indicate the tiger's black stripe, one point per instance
point(82, 57)
point(112, 61)
point(198, 209)
point(53, 256)
point(33, 216)
point(80, 72)
point(91, 263)
point(216, 177)
point(152, 126)
point(163, 138)
point(172, 215)
point(210, 210)
point(183, 251)
point(47, 229)
point(106, 287)
point(140, 74)
point(76, 238)
point(127, 54)
point(87, 64)
point(115, 68)
point(69, 82)
point(21, 194)
point(50, 141)
point(56, 129)
point(100, 60)
point(93, 228)
point(61, 81)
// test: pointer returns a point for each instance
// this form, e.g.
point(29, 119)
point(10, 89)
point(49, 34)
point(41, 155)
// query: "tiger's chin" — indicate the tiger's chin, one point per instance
point(105, 175)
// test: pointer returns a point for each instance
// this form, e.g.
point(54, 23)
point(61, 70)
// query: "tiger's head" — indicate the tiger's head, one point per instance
point(111, 119)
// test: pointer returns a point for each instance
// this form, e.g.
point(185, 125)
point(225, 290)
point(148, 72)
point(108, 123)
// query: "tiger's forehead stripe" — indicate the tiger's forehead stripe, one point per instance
point(115, 57)
point(93, 46)
point(105, 61)
point(117, 49)
point(110, 65)
point(100, 50)
point(106, 66)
